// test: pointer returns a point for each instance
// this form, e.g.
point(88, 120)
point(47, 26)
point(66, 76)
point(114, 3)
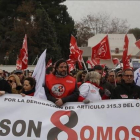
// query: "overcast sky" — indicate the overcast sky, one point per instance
point(129, 10)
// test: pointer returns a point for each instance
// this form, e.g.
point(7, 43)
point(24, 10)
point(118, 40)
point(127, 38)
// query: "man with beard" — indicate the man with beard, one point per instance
point(60, 87)
point(127, 89)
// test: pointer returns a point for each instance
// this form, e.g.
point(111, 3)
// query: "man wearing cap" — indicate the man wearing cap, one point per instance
point(127, 89)
point(4, 86)
point(19, 73)
point(60, 87)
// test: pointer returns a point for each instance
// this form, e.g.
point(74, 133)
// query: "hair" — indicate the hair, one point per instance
point(31, 80)
point(97, 67)
point(123, 72)
point(79, 75)
point(49, 69)
point(58, 63)
point(93, 77)
point(17, 80)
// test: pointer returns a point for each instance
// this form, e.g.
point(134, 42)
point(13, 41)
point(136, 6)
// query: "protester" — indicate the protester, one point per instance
point(111, 78)
point(127, 89)
point(80, 77)
point(15, 84)
point(60, 87)
point(118, 77)
point(107, 87)
point(89, 91)
point(28, 86)
point(4, 86)
point(20, 74)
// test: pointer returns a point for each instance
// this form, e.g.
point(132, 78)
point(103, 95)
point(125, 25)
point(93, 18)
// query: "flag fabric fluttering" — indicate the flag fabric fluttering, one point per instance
point(116, 61)
point(126, 64)
point(102, 49)
point(90, 63)
point(23, 56)
point(125, 58)
point(39, 75)
point(75, 52)
point(49, 63)
point(138, 43)
point(18, 64)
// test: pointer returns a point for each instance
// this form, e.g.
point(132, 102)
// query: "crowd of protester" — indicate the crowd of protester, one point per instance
point(61, 86)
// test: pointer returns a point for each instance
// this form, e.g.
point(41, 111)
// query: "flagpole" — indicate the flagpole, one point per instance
point(84, 65)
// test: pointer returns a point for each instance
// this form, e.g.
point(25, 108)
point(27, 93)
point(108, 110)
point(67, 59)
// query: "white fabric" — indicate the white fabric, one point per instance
point(137, 77)
point(90, 92)
point(101, 120)
point(39, 75)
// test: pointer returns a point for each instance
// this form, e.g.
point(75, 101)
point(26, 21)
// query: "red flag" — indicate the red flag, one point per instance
point(49, 63)
point(23, 56)
point(96, 61)
point(138, 43)
point(115, 61)
point(71, 64)
point(125, 51)
point(126, 64)
point(102, 49)
point(18, 64)
point(75, 52)
point(90, 63)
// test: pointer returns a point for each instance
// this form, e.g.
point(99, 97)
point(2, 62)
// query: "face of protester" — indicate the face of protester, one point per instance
point(11, 80)
point(62, 69)
point(20, 75)
point(111, 77)
point(128, 77)
point(100, 72)
point(119, 77)
point(27, 86)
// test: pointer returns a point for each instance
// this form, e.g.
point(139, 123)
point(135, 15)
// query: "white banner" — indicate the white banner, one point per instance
point(29, 118)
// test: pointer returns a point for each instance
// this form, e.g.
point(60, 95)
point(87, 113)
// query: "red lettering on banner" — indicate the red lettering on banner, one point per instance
point(100, 133)
point(126, 132)
point(135, 133)
point(55, 119)
point(91, 136)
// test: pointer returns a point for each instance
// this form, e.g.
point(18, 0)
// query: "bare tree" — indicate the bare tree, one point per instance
point(98, 23)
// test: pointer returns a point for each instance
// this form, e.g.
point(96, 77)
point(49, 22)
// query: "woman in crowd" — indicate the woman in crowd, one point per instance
point(15, 84)
point(89, 91)
point(28, 86)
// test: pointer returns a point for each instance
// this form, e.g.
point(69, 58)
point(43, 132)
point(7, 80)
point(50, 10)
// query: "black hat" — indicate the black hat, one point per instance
point(18, 71)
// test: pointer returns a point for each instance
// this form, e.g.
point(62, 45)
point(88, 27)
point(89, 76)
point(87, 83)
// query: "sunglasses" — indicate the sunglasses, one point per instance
point(129, 75)
point(9, 81)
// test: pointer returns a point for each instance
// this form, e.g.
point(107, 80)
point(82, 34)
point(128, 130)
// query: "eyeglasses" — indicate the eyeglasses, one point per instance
point(9, 81)
point(63, 67)
point(129, 75)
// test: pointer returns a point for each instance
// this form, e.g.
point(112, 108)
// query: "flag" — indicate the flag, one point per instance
point(137, 76)
point(96, 61)
point(116, 61)
point(102, 49)
point(18, 64)
point(126, 64)
point(23, 56)
point(138, 43)
point(71, 64)
point(125, 51)
point(49, 63)
point(90, 63)
point(39, 75)
point(75, 52)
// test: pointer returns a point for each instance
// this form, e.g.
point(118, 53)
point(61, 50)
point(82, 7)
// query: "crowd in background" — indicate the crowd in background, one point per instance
point(98, 83)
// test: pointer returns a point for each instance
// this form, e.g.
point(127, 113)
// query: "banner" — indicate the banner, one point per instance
point(29, 118)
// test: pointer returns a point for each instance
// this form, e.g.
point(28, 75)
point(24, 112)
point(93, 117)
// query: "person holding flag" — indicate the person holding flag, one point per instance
point(60, 87)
